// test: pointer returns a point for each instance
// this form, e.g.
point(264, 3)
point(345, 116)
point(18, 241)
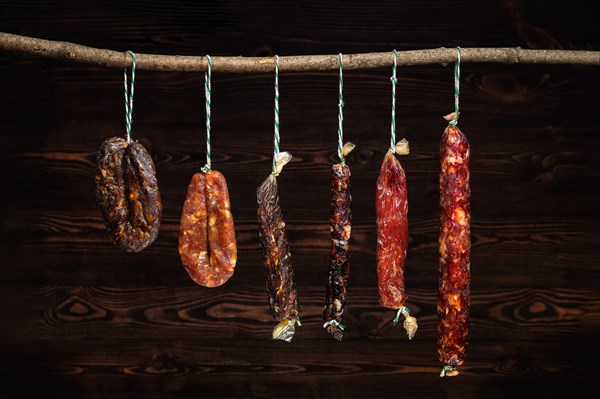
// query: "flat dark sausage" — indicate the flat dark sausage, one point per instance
point(127, 194)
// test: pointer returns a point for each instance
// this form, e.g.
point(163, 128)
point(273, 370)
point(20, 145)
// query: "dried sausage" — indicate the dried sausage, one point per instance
point(454, 247)
point(339, 261)
point(281, 284)
point(392, 236)
point(127, 194)
point(207, 245)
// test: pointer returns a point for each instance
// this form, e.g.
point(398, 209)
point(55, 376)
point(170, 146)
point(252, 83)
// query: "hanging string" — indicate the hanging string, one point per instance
point(276, 124)
point(393, 125)
point(341, 113)
point(454, 121)
point(129, 97)
point(207, 93)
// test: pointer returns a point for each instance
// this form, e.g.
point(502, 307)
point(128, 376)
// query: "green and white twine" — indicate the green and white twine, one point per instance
point(276, 123)
point(341, 113)
point(129, 97)
point(454, 121)
point(207, 93)
point(334, 323)
point(402, 310)
point(393, 124)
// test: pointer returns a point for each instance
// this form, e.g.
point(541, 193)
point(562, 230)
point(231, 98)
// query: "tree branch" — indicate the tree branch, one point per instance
point(72, 52)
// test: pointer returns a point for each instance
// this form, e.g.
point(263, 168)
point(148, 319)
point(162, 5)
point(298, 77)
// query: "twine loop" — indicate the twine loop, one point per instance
point(454, 121)
point(340, 111)
point(129, 96)
point(207, 98)
point(276, 139)
point(394, 81)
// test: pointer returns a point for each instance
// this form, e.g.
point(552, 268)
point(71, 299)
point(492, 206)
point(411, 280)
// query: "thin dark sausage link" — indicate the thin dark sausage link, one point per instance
point(455, 249)
point(281, 285)
point(339, 261)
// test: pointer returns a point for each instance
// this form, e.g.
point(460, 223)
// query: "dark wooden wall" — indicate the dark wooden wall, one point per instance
point(80, 318)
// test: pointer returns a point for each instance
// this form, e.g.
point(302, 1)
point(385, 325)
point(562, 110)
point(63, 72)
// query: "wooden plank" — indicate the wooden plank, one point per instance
point(276, 369)
point(194, 339)
point(240, 313)
point(551, 253)
point(289, 26)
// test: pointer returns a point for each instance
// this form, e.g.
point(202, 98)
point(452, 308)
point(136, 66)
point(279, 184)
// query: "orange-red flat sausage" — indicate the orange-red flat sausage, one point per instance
point(207, 245)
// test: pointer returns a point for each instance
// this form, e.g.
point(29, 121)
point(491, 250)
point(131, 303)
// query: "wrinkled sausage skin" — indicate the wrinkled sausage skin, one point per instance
point(281, 285)
point(127, 194)
point(392, 232)
point(339, 261)
point(207, 245)
point(454, 248)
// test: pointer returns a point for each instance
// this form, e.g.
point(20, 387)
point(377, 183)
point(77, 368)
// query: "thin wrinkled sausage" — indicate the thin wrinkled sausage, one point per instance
point(127, 194)
point(280, 281)
point(207, 245)
point(455, 249)
point(339, 260)
point(391, 206)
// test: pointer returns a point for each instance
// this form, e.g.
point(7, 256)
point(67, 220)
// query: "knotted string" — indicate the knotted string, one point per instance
point(207, 94)
point(334, 323)
point(129, 97)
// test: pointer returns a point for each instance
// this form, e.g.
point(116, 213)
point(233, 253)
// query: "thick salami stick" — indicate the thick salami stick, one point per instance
point(392, 236)
point(127, 194)
point(339, 261)
point(207, 245)
point(455, 248)
point(281, 284)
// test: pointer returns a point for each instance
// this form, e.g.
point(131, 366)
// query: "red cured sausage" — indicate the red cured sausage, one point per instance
point(207, 245)
point(392, 232)
point(455, 249)
point(392, 236)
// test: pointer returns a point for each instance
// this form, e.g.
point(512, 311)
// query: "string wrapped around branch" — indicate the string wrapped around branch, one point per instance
point(207, 245)
point(126, 184)
point(391, 206)
point(279, 272)
point(341, 229)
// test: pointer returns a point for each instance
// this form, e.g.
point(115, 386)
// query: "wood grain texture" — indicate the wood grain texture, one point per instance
point(81, 319)
point(510, 331)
